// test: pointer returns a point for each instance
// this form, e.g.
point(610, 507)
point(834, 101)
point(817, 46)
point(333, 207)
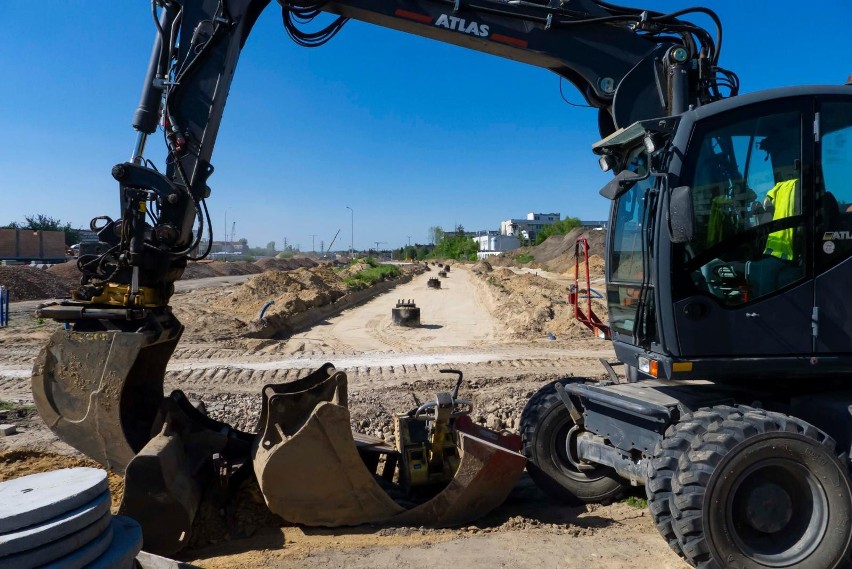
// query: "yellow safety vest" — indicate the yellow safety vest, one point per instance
point(780, 243)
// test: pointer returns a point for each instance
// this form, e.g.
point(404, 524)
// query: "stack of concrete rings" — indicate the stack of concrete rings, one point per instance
point(61, 520)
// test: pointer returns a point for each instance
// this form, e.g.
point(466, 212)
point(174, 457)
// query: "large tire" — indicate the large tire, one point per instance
point(545, 423)
point(762, 489)
point(663, 466)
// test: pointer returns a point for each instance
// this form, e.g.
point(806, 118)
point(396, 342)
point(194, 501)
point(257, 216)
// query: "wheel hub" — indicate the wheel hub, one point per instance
point(769, 508)
point(782, 512)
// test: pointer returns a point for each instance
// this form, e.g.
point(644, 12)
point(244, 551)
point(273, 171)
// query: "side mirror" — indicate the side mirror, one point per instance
point(681, 215)
point(620, 184)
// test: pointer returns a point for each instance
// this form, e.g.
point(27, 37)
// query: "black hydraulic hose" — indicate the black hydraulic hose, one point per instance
point(713, 16)
point(209, 235)
point(625, 9)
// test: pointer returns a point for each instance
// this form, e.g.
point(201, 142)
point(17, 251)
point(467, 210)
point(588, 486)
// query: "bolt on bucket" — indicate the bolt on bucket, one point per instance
point(100, 390)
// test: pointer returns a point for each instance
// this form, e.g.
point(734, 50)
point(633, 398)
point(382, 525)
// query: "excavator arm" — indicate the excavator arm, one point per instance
point(98, 384)
point(628, 63)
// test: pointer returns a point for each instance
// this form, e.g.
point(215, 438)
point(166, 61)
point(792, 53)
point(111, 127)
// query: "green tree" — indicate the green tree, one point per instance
point(40, 222)
point(562, 227)
point(455, 246)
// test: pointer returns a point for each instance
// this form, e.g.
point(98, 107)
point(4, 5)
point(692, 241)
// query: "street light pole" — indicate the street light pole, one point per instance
point(351, 231)
point(313, 243)
point(225, 234)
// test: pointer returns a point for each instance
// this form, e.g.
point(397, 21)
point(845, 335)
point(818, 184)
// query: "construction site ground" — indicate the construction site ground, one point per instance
point(510, 331)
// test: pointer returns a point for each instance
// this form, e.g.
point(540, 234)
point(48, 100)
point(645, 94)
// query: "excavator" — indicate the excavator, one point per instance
point(727, 252)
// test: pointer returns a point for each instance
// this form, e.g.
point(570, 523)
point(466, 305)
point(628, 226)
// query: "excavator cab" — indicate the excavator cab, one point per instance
point(728, 255)
point(728, 225)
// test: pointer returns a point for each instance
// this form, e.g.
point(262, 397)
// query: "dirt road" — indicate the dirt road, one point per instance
point(388, 367)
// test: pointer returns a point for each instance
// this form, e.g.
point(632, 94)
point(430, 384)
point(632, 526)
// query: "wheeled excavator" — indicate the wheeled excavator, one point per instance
point(727, 254)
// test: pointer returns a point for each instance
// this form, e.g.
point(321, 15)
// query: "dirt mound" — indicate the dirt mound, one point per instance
point(67, 271)
point(597, 265)
point(230, 268)
point(285, 264)
point(533, 307)
point(556, 253)
point(482, 267)
point(199, 270)
point(14, 464)
point(291, 292)
point(29, 283)
point(354, 269)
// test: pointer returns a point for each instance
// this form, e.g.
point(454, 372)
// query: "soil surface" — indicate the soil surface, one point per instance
point(508, 331)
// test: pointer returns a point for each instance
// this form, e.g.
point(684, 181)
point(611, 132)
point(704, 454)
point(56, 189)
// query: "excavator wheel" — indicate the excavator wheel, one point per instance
point(762, 489)
point(663, 466)
point(545, 429)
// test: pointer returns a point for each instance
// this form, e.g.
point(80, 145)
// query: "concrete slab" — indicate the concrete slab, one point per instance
point(57, 549)
point(126, 545)
point(6, 430)
point(35, 536)
point(37, 498)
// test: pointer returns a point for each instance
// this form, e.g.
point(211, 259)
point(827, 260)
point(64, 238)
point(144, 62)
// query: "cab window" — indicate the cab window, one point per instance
point(748, 201)
point(834, 214)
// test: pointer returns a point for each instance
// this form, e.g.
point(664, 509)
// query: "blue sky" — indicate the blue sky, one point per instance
point(409, 132)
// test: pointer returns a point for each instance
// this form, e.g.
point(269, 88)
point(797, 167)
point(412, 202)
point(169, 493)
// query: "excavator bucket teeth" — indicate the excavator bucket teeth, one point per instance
point(100, 391)
point(305, 458)
point(311, 472)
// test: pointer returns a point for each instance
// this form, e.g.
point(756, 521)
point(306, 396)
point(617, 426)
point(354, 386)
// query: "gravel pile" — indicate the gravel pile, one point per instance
point(29, 283)
point(372, 411)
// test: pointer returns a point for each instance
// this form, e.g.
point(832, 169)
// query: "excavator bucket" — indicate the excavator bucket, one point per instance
point(312, 471)
point(164, 483)
point(305, 458)
point(100, 391)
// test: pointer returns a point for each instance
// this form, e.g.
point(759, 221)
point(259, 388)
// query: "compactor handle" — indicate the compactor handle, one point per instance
point(421, 412)
point(458, 380)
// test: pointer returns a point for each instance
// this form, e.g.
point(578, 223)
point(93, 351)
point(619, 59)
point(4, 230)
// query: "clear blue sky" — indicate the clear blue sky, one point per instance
point(409, 132)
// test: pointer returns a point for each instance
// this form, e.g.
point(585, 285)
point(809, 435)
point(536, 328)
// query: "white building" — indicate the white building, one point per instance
point(490, 243)
point(528, 228)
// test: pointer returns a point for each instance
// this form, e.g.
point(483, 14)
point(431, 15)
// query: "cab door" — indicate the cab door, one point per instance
point(744, 285)
point(833, 243)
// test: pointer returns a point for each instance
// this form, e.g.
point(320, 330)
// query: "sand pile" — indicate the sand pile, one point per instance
point(556, 253)
point(532, 306)
point(291, 291)
point(285, 264)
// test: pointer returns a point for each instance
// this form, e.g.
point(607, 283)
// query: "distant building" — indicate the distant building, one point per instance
point(492, 243)
point(528, 229)
point(225, 249)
